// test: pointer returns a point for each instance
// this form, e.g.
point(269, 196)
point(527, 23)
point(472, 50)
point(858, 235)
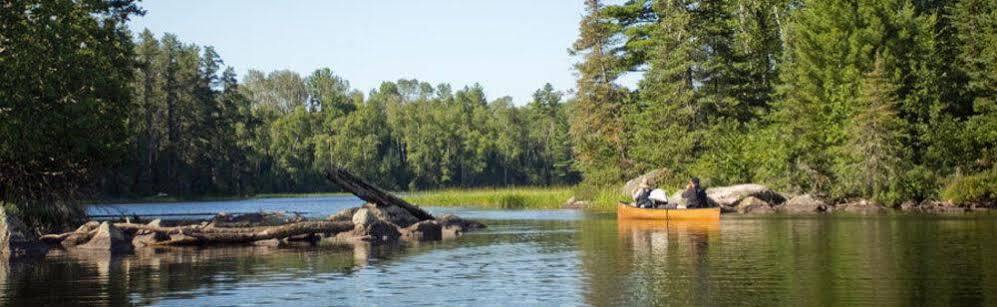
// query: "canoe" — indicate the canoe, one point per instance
point(624, 211)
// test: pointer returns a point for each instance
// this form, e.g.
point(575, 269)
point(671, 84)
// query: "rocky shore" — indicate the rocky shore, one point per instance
point(367, 224)
point(759, 199)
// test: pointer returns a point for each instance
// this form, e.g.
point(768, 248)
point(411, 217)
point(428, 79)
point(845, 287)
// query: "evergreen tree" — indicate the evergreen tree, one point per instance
point(874, 154)
point(597, 128)
point(666, 120)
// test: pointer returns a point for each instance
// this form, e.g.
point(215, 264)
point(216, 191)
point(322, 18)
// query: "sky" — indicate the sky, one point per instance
point(511, 47)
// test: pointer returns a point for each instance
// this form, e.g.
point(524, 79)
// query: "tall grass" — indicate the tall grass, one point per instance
point(504, 198)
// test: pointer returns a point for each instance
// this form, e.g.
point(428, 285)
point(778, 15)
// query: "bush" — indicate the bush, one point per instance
point(981, 187)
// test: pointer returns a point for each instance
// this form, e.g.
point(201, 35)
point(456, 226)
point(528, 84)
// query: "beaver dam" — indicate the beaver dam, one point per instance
point(384, 219)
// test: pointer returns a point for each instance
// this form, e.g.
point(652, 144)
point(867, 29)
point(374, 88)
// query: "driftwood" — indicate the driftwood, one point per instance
point(371, 193)
point(220, 235)
point(198, 234)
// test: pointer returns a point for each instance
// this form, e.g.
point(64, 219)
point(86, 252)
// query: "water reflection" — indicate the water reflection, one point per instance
point(582, 259)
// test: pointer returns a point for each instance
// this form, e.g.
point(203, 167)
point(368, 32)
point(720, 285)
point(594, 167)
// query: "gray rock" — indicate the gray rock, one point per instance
point(145, 238)
point(753, 205)
point(654, 177)
point(108, 238)
point(803, 204)
point(392, 214)
point(860, 207)
point(377, 232)
point(363, 217)
point(423, 231)
point(450, 220)
point(343, 215)
point(731, 195)
point(16, 240)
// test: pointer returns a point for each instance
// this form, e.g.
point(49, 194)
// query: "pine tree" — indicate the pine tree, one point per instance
point(830, 45)
point(665, 123)
point(597, 128)
point(976, 33)
point(874, 154)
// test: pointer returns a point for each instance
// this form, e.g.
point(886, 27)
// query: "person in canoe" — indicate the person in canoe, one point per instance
point(695, 195)
point(645, 197)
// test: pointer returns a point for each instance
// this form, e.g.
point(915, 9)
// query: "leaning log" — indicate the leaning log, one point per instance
point(372, 193)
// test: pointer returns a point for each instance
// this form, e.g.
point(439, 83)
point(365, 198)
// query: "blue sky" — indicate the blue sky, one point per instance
point(511, 47)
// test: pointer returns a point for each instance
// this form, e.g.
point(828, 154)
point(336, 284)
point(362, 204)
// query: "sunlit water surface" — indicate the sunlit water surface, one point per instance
point(556, 257)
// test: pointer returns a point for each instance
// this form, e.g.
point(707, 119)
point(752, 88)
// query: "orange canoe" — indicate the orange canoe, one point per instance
point(624, 211)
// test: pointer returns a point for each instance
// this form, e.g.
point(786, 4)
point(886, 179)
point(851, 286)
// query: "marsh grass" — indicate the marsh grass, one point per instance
point(502, 198)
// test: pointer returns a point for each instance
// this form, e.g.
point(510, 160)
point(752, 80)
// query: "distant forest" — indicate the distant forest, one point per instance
point(193, 129)
point(888, 100)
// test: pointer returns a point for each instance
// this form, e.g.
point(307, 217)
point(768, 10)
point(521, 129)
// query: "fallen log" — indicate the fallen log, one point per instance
point(371, 193)
point(203, 236)
point(198, 234)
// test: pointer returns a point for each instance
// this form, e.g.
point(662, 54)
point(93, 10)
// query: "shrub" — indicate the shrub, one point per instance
point(981, 187)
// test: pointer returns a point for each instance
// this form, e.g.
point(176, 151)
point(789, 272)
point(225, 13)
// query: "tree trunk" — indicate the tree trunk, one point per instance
point(371, 193)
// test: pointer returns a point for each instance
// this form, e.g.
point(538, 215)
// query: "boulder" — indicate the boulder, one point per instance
point(931, 206)
point(423, 231)
point(16, 240)
point(80, 235)
point(731, 195)
point(363, 217)
point(376, 232)
point(860, 207)
point(450, 220)
point(653, 177)
point(108, 238)
point(343, 215)
point(803, 204)
point(753, 205)
point(145, 238)
point(392, 214)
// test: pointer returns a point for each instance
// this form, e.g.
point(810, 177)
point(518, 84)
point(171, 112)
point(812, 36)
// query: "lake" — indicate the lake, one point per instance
point(558, 257)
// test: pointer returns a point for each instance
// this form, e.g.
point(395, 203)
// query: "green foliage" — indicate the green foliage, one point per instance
point(64, 72)
point(505, 198)
point(597, 118)
point(981, 187)
point(195, 131)
point(879, 99)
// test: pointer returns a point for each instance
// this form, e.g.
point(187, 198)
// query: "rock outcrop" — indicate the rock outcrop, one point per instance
point(108, 238)
point(803, 204)
point(730, 196)
point(145, 237)
point(753, 205)
point(393, 214)
point(860, 207)
point(653, 177)
point(343, 215)
point(363, 217)
point(16, 240)
point(423, 231)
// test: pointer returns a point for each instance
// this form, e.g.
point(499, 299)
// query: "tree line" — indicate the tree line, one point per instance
point(194, 130)
point(889, 100)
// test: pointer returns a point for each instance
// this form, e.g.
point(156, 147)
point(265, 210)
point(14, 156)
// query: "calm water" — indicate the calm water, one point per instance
point(547, 258)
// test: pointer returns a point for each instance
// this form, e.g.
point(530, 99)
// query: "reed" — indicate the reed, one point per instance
point(504, 198)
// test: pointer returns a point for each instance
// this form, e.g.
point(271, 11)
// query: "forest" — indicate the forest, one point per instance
point(887, 100)
point(195, 130)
